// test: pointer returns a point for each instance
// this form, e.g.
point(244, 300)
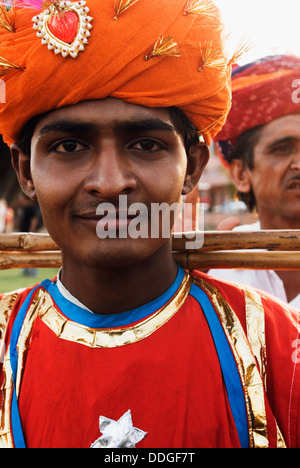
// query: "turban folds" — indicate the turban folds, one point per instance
point(262, 91)
point(117, 62)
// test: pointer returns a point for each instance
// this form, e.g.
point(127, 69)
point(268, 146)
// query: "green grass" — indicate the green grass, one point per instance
point(14, 278)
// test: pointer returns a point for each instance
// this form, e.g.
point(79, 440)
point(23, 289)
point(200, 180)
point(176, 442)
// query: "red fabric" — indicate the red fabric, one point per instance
point(67, 386)
point(283, 370)
point(171, 382)
point(261, 92)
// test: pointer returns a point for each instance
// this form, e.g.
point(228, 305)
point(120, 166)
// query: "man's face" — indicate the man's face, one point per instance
point(94, 152)
point(275, 177)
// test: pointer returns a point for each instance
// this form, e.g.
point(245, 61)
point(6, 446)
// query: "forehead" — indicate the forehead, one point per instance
point(103, 113)
point(287, 126)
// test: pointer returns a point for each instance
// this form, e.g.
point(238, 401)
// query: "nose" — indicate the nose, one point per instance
point(110, 173)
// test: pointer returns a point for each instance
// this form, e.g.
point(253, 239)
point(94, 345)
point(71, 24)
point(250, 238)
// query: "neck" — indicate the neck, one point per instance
point(278, 222)
point(291, 281)
point(116, 290)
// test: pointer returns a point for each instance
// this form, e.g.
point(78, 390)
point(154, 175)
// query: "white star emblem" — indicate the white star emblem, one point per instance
point(118, 434)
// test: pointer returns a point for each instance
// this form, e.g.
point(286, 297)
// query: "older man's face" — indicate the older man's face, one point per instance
point(275, 178)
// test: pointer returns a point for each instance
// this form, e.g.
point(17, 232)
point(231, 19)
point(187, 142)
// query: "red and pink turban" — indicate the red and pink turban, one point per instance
point(261, 92)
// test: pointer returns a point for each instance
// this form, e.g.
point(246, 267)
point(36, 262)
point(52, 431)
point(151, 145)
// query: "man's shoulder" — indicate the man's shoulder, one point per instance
point(10, 303)
point(9, 299)
point(16, 295)
point(243, 298)
point(270, 325)
point(230, 290)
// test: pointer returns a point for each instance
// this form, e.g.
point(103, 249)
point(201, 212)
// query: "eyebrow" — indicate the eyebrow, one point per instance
point(154, 124)
point(287, 139)
point(130, 126)
point(67, 126)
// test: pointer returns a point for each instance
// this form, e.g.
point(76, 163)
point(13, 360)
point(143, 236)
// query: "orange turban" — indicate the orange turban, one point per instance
point(156, 53)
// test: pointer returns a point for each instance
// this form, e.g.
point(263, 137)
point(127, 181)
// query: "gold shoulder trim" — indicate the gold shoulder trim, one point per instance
point(250, 376)
point(6, 305)
point(111, 338)
point(255, 321)
point(6, 439)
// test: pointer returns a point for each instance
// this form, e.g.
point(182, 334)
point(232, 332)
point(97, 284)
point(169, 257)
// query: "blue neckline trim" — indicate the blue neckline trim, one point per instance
point(84, 317)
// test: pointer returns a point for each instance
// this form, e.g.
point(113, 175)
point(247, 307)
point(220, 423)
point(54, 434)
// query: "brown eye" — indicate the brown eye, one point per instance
point(69, 146)
point(284, 148)
point(148, 144)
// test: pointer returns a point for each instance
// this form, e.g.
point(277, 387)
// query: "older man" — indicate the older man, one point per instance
point(260, 145)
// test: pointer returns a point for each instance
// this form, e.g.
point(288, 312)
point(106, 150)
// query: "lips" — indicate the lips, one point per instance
point(106, 216)
point(294, 183)
point(109, 224)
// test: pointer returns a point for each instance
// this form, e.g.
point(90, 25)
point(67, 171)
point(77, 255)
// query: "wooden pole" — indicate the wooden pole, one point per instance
point(29, 260)
point(26, 242)
point(279, 250)
point(202, 261)
point(235, 240)
point(213, 241)
point(239, 260)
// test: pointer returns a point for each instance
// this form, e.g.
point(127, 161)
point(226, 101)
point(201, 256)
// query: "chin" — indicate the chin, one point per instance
point(110, 260)
point(119, 254)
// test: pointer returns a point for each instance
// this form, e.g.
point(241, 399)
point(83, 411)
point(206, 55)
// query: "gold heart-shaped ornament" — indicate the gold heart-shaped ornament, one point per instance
point(64, 27)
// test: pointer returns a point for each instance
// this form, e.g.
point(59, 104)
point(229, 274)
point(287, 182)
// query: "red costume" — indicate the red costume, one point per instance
point(164, 367)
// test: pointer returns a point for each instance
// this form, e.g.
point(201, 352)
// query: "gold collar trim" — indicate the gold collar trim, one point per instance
point(110, 338)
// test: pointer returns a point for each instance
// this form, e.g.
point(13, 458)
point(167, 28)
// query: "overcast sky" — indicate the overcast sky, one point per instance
point(272, 26)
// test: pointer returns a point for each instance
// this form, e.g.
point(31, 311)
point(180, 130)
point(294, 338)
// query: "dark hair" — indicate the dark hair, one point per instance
point(181, 122)
point(26, 135)
point(244, 150)
point(185, 128)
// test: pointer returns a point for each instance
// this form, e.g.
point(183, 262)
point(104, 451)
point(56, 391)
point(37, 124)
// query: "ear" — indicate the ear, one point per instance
point(197, 160)
point(21, 164)
point(241, 175)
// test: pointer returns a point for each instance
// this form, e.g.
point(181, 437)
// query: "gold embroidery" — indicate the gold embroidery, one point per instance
point(110, 338)
point(255, 321)
point(6, 439)
point(6, 305)
point(250, 376)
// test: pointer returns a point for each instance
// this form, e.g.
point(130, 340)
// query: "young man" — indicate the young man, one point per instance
point(123, 334)
point(260, 145)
